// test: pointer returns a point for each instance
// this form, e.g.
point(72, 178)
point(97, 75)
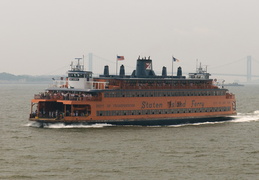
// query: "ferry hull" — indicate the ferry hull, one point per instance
point(140, 122)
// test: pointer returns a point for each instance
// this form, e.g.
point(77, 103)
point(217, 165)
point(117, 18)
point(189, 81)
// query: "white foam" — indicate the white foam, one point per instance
point(63, 126)
point(240, 117)
point(247, 117)
point(33, 124)
point(197, 124)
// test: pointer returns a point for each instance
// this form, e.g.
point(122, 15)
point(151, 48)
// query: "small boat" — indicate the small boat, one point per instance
point(234, 84)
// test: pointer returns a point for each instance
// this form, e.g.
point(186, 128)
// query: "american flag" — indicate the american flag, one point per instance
point(175, 60)
point(120, 58)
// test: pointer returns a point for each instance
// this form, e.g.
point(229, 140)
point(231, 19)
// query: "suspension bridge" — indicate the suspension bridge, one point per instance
point(248, 64)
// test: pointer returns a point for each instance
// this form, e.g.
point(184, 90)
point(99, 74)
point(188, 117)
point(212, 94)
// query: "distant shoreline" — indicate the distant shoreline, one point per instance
point(7, 78)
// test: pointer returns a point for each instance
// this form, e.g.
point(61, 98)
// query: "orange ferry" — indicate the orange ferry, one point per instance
point(142, 98)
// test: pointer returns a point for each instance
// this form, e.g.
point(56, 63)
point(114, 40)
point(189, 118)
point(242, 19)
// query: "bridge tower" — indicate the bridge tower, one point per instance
point(90, 61)
point(249, 68)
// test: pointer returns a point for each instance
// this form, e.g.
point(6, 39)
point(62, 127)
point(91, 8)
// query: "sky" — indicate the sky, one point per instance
point(42, 37)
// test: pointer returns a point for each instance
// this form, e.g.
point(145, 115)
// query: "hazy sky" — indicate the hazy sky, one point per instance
point(41, 37)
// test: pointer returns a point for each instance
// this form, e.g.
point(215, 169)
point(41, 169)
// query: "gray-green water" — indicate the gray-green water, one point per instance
point(227, 150)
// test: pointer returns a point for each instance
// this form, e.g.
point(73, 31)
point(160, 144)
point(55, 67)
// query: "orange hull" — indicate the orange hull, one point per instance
point(146, 108)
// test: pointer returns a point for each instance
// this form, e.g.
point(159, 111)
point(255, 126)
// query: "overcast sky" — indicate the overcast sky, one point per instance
point(41, 37)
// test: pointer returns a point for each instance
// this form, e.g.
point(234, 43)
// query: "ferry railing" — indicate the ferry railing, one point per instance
point(71, 97)
point(202, 86)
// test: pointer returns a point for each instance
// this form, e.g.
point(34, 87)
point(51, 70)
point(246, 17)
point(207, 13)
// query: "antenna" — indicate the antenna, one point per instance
point(78, 64)
point(196, 65)
point(71, 65)
point(83, 62)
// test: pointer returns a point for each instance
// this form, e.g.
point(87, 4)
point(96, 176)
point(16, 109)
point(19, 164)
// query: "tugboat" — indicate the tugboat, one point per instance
point(142, 98)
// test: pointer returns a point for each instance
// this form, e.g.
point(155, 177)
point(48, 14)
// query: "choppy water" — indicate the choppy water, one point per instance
point(226, 150)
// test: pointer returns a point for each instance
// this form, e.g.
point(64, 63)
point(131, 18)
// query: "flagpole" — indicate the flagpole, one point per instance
point(83, 62)
point(116, 64)
point(172, 65)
